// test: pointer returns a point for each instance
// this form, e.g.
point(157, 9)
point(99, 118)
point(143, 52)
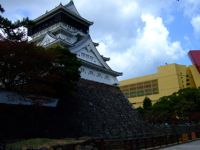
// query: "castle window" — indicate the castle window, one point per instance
point(82, 69)
point(99, 75)
point(82, 55)
point(91, 58)
point(90, 73)
point(106, 77)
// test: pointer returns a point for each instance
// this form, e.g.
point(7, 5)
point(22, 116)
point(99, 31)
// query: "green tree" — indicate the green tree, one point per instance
point(162, 111)
point(1, 9)
point(180, 105)
point(13, 31)
point(27, 68)
point(147, 104)
point(140, 110)
point(30, 69)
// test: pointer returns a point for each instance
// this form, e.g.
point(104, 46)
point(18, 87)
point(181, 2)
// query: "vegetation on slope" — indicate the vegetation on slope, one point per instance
point(181, 106)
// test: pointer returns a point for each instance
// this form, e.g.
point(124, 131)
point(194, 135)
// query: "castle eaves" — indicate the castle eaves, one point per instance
point(70, 12)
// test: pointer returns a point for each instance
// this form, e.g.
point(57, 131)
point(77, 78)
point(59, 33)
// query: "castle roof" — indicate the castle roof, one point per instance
point(70, 6)
point(68, 9)
point(105, 68)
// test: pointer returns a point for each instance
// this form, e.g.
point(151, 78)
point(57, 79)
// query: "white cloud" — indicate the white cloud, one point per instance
point(152, 47)
point(191, 10)
point(129, 9)
point(190, 7)
point(196, 23)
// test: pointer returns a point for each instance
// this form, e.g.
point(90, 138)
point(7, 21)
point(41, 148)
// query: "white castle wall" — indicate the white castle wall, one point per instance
point(98, 76)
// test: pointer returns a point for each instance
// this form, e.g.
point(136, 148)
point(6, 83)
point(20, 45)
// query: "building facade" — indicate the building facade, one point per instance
point(64, 26)
point(168, 79)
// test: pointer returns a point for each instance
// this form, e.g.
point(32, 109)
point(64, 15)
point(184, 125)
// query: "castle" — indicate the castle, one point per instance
point(64, 26)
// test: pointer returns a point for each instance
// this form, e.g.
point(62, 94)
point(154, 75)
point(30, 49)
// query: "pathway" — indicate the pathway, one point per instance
point(195, 145)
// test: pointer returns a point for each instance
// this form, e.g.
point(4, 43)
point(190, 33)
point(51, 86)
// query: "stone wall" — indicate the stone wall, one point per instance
point(93, 110)
point(101, 110)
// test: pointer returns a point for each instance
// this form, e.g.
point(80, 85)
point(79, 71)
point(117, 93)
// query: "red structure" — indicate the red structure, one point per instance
point(195, 58)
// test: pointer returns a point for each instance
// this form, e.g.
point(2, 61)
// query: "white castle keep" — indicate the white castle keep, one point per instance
point(64, 25)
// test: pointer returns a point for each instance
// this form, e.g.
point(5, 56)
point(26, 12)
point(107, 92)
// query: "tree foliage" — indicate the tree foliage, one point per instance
point(27, 68)
point(180, 106)
point(147, 104)
point(13, 31)
point(1, 9)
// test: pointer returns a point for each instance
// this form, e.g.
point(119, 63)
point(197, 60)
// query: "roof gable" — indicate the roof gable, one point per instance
point(88, 55)
point(49, 38)
point(87, 44)
point(70, 6)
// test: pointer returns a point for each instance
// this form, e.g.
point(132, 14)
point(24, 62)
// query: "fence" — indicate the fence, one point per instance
point(168, 136)
point(145, 142)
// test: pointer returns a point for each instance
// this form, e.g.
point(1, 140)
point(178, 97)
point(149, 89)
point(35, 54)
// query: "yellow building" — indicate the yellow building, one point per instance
point(168, 79)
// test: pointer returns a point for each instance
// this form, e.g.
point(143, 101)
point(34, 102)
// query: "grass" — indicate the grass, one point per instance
point(40, 143)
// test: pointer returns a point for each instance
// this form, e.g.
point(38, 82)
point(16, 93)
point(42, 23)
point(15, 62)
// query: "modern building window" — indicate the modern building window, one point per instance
point(141, 89)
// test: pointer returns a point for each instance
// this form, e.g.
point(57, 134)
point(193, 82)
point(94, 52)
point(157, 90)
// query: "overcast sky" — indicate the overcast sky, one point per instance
point(138, 35)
